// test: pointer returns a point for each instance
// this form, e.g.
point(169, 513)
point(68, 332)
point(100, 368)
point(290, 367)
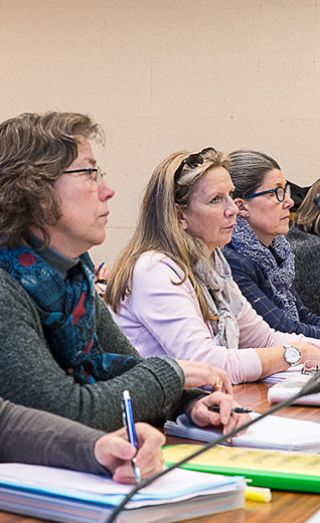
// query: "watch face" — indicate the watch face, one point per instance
point(292, 355)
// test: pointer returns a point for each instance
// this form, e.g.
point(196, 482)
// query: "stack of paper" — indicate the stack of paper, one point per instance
point(66, 496)
point(272, 432)
point(283, 375)
point(290, 386)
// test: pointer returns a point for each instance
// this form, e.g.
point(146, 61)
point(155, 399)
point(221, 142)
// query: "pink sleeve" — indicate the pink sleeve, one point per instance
point(172, 315)
point(255, 332)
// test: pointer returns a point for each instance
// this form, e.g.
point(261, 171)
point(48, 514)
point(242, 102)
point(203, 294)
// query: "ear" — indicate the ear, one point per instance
point(242, 206)
point(183, 222)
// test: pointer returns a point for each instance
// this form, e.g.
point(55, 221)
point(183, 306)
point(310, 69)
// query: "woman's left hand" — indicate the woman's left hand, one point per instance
point(199, 374)
point(203, 417)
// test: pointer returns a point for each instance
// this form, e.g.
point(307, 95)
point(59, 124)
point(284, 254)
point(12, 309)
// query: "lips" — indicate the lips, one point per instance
point(104, 216)
point(228, 227)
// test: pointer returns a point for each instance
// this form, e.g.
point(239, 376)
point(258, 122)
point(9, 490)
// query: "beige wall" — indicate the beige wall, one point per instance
point(164, 75)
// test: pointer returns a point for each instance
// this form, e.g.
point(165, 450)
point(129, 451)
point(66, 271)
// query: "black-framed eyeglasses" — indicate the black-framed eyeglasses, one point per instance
point(94, 174)
point(280, 193)
point(192, 161)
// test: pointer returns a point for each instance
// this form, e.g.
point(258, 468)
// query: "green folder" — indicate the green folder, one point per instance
point(282, 470)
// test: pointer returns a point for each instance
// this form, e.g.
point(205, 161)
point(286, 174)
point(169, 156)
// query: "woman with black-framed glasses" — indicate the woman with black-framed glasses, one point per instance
point(171, 290)
point(259, 254)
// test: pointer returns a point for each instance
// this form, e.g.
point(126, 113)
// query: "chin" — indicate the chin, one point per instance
point(225, 240)
point(283, 230)
point(98, 239)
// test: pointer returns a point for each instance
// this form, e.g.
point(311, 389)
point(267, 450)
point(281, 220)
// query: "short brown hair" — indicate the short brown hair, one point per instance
point(34, 151)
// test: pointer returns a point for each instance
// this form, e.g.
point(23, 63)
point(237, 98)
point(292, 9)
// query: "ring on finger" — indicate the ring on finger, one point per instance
point(219, 383)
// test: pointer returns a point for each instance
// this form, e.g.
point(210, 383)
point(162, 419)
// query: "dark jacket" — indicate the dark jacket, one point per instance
point(306, 247)
point(256, 288)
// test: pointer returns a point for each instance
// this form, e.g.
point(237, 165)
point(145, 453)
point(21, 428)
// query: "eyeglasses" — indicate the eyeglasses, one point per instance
point(192, 161)
point(94, 174)
point(280, 193)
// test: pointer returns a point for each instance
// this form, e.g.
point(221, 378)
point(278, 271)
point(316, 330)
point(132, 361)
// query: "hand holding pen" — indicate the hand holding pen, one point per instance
point(218, 408)
point(101, 273)
point(100, 278)
point(114, 452)
point(148, 455)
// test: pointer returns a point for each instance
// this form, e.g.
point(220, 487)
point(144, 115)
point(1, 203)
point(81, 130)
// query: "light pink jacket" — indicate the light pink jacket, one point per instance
point(163, 319)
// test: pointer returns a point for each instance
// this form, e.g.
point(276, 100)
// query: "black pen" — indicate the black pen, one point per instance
point(235, 410)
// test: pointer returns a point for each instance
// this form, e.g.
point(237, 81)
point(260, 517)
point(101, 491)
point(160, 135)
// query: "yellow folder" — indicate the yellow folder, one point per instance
point(267, 468)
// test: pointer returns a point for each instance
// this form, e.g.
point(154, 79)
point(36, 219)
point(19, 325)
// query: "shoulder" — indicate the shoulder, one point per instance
point(237, 260)
point(300, 239)
point(11, 290)
point(16, 305)
point(153, 262)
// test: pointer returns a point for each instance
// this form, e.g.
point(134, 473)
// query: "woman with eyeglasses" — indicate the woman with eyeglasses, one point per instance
point(259, 254)
point(304, 238)
point(172, 291)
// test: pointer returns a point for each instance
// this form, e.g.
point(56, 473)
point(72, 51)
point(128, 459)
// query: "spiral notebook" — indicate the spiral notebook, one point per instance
point(272, 432)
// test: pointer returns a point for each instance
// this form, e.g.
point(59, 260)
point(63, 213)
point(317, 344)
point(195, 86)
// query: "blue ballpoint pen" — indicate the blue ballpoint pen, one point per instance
point(128, 422)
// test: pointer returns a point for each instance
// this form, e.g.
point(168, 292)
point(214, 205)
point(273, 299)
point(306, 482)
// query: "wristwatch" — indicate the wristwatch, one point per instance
point(291, 355)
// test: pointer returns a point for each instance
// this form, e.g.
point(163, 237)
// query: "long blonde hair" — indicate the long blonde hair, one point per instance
point(159, 228)
point(307, 216)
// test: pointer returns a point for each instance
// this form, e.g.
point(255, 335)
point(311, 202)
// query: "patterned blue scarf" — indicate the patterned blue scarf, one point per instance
point(280, 275)
point(67, 312)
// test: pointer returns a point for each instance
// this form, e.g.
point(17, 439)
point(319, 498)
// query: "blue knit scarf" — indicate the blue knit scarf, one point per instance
point(279, 274)
point(67, 311)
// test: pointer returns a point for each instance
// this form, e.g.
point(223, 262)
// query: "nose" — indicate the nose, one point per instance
point(105, 192)
point(231, 207)
point(288, 202)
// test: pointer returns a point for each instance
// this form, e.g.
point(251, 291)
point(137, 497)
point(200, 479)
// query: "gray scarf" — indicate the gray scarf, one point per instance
point(279, 274)
point(223, 298)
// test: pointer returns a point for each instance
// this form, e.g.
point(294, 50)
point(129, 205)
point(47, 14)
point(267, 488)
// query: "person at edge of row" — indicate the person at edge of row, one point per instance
point(60, 349)
point(304, 238)
point(171, 290)
point(260, 256)
point(40, 438)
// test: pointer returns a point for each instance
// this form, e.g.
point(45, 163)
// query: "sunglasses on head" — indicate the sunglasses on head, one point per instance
point(192, 161)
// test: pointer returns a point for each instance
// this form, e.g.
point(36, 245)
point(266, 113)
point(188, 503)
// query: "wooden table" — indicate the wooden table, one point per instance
point(286, 507)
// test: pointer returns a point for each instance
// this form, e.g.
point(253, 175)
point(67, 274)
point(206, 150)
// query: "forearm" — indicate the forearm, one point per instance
point(31, 436)
point(268, 343)
point(154, 386)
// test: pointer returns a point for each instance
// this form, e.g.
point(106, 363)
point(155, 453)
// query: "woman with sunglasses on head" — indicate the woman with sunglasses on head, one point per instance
point(259, 254)
point(172, 291)
point(304, 238)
